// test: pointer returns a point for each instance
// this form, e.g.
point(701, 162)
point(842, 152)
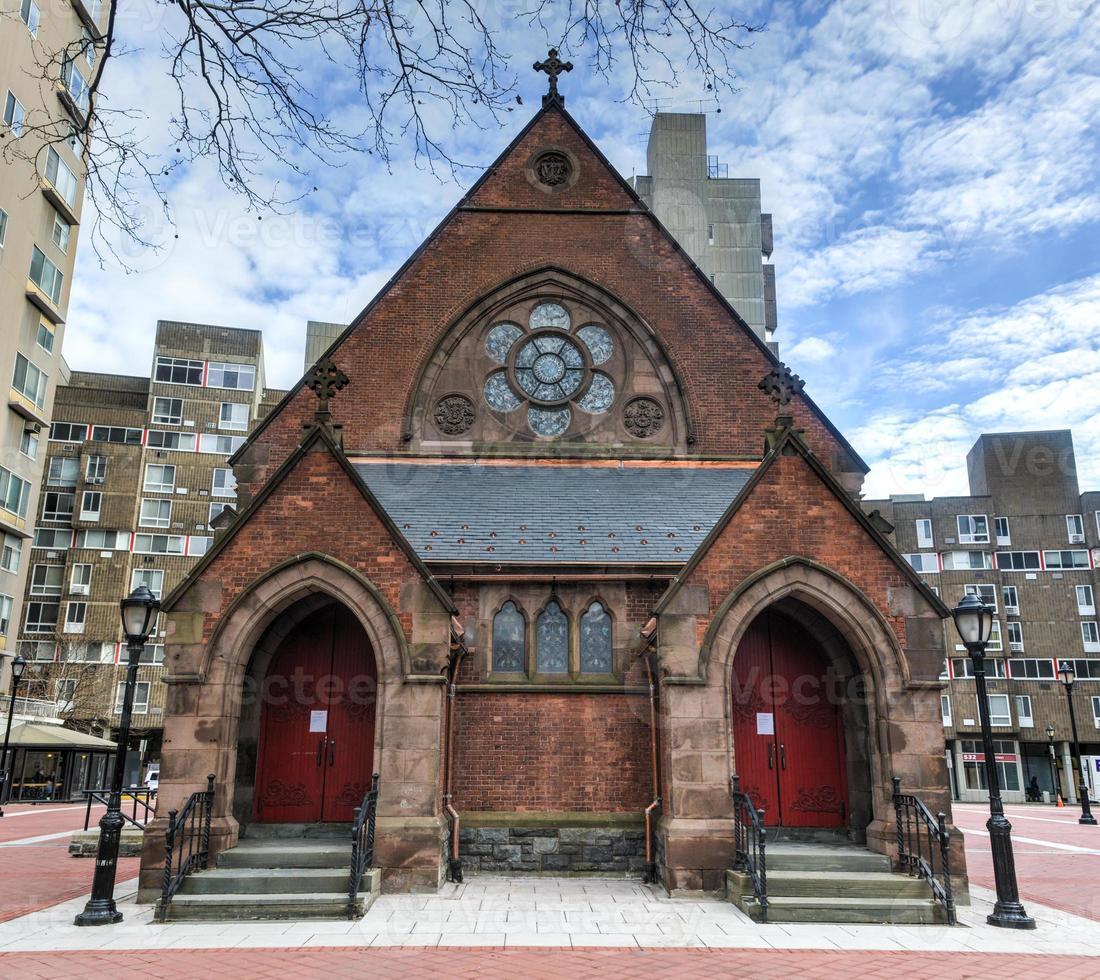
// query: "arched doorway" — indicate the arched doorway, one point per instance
point(316, 733)
point(788, 725)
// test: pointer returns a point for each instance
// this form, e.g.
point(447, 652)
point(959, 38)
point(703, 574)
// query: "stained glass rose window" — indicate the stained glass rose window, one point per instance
point(550, 369)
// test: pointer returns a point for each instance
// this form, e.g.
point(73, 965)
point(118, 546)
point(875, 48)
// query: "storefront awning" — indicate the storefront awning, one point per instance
point(30, 735)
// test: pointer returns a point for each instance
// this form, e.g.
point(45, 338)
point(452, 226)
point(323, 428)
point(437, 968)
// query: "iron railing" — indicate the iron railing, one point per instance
point(362, 845)
point(140, 796)
point(186, 843)
point(750, 844)
point(924, 846)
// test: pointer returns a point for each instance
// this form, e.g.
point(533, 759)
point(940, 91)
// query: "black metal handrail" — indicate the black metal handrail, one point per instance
point(140, 795)
point(362, 844)
point(186, 843)
point(750, 844)
point(924, 846)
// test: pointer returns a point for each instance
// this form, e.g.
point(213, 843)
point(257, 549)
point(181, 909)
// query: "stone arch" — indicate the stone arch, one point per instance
point(549, 282)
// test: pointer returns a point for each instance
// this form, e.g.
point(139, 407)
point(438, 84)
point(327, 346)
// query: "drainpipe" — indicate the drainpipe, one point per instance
point(458, 651)
point(649, 633)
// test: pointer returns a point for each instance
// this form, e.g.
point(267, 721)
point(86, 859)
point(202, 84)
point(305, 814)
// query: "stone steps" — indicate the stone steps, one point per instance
point(824, 857)
point(829, 884)
point(287, 854)
point(187, 907)
point(898, 911)
point(262, 881)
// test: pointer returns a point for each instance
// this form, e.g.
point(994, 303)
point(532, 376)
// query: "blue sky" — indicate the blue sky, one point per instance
point(931, 166)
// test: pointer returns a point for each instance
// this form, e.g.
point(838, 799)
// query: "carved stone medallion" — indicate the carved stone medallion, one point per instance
point(643, 417)
point(454, 415)
point(553, 169)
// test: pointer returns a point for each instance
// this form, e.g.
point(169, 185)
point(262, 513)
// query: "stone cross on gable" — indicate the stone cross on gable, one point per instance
point(781, 385)
point(324, 380)
point(553, 66)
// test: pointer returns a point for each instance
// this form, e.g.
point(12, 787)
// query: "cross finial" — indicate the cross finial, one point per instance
point(325, 379)
point(781, 385)
point(553, 66)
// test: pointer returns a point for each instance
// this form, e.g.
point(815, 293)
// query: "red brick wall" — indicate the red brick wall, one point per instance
point(560, 752)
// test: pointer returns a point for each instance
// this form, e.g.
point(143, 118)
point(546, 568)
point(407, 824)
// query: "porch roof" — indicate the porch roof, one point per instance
point(31, 735)
point(619, 513)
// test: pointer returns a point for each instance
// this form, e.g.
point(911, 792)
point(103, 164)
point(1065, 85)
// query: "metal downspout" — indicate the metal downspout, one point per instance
point(454, 870)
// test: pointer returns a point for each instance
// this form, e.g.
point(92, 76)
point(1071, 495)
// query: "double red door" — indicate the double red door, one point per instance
point(788, 734)
point(316, 748)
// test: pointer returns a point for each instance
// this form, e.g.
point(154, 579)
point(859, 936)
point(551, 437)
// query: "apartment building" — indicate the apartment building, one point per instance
point(1027, 541)
point(47, 55)
point(716, 218)
point(135, 479)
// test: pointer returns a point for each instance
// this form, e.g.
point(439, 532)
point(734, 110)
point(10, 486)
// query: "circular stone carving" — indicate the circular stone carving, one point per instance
point(643, 417)
point(454, 415)
point(553, 169)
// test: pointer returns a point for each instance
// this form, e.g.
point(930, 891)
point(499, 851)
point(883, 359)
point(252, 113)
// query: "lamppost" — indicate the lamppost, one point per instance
point(139, 610)
point(1067, 674)
point(18, 665)
point(1054, 787)
point(974, 621)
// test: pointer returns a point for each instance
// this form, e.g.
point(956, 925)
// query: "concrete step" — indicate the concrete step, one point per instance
point(297, 831)
point(836, 884)
point(276, 905)
point(824, 857)
point(263, 881)
point(287, 854)
point(903, 911)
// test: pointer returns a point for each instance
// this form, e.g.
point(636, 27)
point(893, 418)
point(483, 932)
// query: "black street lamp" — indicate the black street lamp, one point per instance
point(18, 665)
point(139, 611)
point(974, 621)
point(1067, 674)
point(1054, 787)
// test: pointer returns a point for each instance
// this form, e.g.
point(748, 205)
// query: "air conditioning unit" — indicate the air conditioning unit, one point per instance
point(34, 427)
point(1012, 610)
point(78, 589)
point(1076, 539)
point(1016, 647)
point(96, 481)
point(161, 454)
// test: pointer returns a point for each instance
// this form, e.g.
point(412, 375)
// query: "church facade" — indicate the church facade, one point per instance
point(551, 542)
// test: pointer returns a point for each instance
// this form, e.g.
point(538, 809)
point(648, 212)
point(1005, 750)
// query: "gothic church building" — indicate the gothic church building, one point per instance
point(553, 543)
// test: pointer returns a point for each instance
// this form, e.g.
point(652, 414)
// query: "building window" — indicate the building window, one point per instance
point(1086, 603)
point(14, 114)
point(945, 710)
point(11, 553)
point(966, 560)
point(1015, 637)
point(999, 715)
point(80, 583)
point(924, 534)
point(1024, 717)
point(44, 336)
point(509, 639)
point(45, 275)
point(1003, 531)
point(1011, 597)
point(3, 226)
point(63, 472)
point(168, 411)
point(1075, 528)
point(995, 642)
point(42, 617)
point(30, 381)
point(61, 232)
point(1086, 670)
point(923, 562)
point(596, 644)
point(57, 539)
point(28, 444)
point(61, 177)
point(224, 485)
point(1031, 670)
point(1019, 561)
point(1062, 560)
point(118, 434)
point(710, 236)
point(141, 697)
point(76, 613)
point(103, 540)
point(552, 640)
point(1004, 753)
point(57, 505)
point(233, 415)
point(68, 431)
point(178, 371)
point(90, 503)
point(155, 513)
point(1096, 712)
point(14, 493)
point(160, 478)
point(30, 15)
point(41, 651)
point(210, 442)
point(963, 667)
point(76, 85)
point(6, 603)
point(151, 578)
point(1090, 636)
point(95, 470)
point(198, 545)
point(973, 528)
point(241, 377)
point(152, 653)
point(46, 580)
point(215, 510)
point(159, 544)
point(182, 441)
point(987, 593)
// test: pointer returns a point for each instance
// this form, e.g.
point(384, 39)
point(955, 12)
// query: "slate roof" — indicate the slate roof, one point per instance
point(559, 514)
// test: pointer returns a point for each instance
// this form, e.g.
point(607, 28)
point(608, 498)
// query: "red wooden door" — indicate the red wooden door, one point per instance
point(788, 733)
point(316, 746)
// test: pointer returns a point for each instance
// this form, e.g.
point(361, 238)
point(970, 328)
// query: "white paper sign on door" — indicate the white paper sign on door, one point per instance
point(318, 721)
point(765, 723)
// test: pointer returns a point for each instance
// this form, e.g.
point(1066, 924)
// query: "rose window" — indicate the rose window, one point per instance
point(549, 369)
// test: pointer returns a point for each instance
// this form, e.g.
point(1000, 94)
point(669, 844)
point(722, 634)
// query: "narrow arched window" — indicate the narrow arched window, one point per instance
point(508, 639)
point(596, 640)
point(552, 640)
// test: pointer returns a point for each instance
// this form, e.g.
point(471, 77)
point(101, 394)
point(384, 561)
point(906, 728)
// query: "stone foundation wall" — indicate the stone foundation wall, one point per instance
point(552, 850)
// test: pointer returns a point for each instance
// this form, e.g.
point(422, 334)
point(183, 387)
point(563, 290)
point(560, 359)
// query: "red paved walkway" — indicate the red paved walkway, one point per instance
point(1061, 878)
point(34, 876)
point(534, 964)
